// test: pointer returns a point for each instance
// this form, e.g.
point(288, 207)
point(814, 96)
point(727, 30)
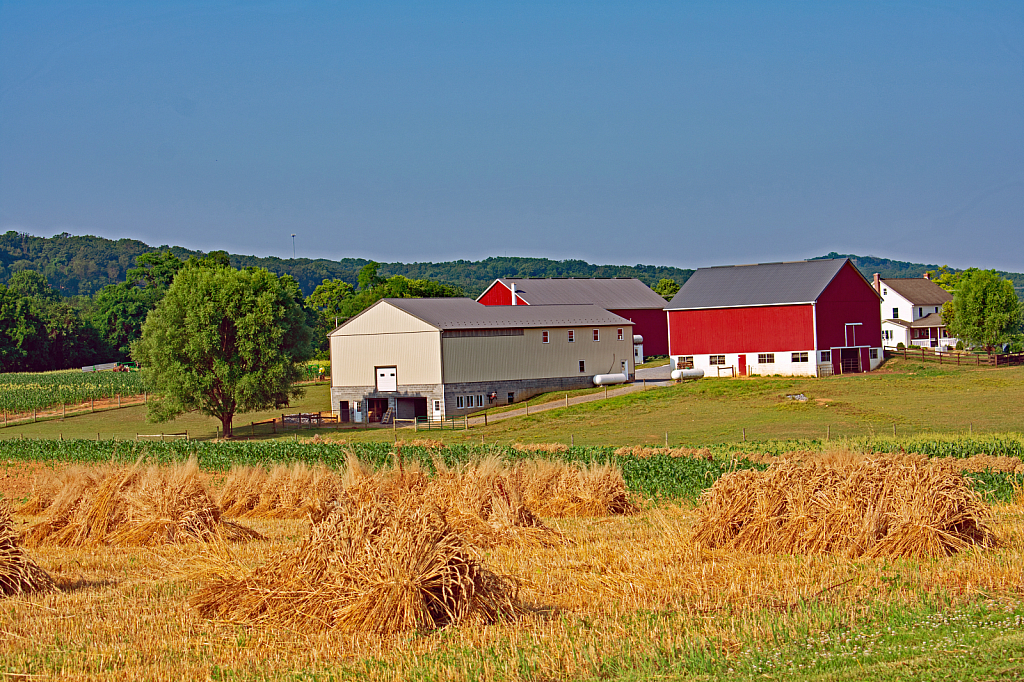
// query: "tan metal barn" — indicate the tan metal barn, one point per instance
point(442, 357)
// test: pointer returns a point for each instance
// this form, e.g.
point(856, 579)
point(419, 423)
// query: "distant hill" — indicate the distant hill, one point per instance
point(869, 265)
point(82, 265)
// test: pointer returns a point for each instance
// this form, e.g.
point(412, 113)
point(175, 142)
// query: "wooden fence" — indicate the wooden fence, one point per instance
point(954, 357)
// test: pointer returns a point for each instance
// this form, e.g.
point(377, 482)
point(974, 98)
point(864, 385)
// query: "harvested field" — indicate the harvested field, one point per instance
point(18, 573)
point(132, 506)
point(874, 506)
point(375, 563)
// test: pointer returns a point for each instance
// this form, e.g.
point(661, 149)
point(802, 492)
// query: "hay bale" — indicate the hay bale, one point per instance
point(561, 489)
point(18, 573)
point(373, 564)
point(873, 506)
point(134, 506)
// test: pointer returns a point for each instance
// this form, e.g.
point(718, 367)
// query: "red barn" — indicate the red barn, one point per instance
point(812, 318)
point(624, 296)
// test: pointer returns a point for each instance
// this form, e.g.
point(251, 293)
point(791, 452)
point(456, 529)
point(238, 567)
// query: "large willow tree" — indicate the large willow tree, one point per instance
point(224, 341)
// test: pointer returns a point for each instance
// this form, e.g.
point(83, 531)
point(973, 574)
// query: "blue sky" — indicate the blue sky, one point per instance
point(675, 133)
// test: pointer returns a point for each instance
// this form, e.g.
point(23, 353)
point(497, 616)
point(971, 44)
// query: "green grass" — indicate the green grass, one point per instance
point(913, 398)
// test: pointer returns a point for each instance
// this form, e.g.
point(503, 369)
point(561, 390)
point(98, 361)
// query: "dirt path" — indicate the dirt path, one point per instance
point(638, 385)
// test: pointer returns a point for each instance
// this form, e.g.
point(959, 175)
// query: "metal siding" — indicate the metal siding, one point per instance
point(741, 330)
point(650, 324)
point(383, 318)
point(417, 355)
point(848, 298)
point(503, 358)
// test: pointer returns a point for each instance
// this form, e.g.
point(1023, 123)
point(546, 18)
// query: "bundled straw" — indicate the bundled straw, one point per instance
point(134, 506)
point(374, 564)
point(560, 489)
point(646, 452)
point(18, 573)
point(292, 491)
point(549, 448)
point(888, 505)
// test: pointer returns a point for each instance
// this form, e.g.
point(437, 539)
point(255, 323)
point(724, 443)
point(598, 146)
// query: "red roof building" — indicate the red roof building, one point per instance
point(809, 318)
point(626, 297)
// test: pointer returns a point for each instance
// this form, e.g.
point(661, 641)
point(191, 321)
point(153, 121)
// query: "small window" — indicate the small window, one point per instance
point(895, 313)
point(885, 292)
point(800, 357)
point(716, 359)
point(618, 334)
point(826, 356)
point(544, 337)
point(936, 308)
point(437, 406)
point(597, 335)
point(684, 362)
point(766, 358)
point(623, 366)
point(458, 402)
point(480, 400)
point(583, 367)
point(920, 312)
point(873, 353)
point(572, 336)
point(511, 397)
point(469, 401)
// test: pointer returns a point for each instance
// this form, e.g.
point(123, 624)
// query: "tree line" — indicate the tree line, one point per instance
point(43, 330)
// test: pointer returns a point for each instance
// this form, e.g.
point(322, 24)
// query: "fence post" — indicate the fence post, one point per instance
point(485, 417)
point(119, 400)
point(567, 400)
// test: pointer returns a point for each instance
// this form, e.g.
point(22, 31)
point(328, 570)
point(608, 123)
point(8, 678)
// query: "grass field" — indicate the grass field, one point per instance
point(916, 398)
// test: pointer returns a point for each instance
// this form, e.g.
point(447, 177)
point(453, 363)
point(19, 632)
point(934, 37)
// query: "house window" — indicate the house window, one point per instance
point(544, 337)
point(716, 359)
point(597, 335)
point(458, 402)
point(920, 312)
point(873, 353)
point(572, 335)
point(618, 333)
point(895, 313)
point(885, 292)
point(583, 367)
point(936, 308)
point(766, 358)
point(826, 356)
point(800, 357)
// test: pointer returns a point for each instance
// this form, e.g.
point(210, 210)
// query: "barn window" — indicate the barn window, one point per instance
point(480, 400)
point(873, 353)
point(544, 337)
point(618, 333)
point(684, 362)
point(572, 335)
point(766, 358)
point(716, 359)
point(826, 356)
point(800, 357)
point(583, 367)
point(458, 402)
point(597, 335)
point(469, 401)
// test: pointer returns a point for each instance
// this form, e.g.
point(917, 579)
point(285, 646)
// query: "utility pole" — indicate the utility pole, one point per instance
point(293, 246)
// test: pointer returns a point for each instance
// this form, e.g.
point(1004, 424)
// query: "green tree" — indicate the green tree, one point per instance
point(368, 277)
point(984, 311)
point(667, 288)
point(945, 278)
point(223, 341)
point(155, 269)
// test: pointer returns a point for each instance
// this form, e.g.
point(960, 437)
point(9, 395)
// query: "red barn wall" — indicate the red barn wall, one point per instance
point(741, 330)
point(651, 324)
point(499, 294)
point(848, 298)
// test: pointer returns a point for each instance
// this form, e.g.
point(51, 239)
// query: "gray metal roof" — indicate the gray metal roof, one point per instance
point(752, 285)
point(918, 290)
point(465, 313)
point(617, 293)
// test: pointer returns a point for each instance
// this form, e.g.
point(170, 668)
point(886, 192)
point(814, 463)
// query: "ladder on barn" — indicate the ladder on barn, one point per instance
point(388, 416)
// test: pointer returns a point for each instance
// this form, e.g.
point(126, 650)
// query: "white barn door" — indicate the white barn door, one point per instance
point(387, 379)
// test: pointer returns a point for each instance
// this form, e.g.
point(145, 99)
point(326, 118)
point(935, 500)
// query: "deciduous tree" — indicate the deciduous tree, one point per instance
point(223, 341)
point(984, 311)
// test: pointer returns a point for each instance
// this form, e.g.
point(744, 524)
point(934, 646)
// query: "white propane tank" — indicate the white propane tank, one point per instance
point(678, 374)
point(637, 339)
point(608, 379)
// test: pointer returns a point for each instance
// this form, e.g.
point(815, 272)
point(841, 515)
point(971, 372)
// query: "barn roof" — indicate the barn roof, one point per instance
point(731, 286)
point(615, 293)
point(465, 313)
point(918, 290)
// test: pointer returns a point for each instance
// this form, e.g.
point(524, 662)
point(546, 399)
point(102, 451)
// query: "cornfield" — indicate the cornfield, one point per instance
point(24, 392)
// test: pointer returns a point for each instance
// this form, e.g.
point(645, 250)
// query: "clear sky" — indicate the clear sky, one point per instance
point(671, 133)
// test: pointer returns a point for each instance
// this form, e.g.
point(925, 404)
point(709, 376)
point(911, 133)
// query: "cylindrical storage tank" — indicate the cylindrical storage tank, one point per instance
point(608, 379)
point(637, 338)
point(678, 374)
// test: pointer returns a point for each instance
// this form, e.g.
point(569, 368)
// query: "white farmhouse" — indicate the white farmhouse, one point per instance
point(912, 312)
